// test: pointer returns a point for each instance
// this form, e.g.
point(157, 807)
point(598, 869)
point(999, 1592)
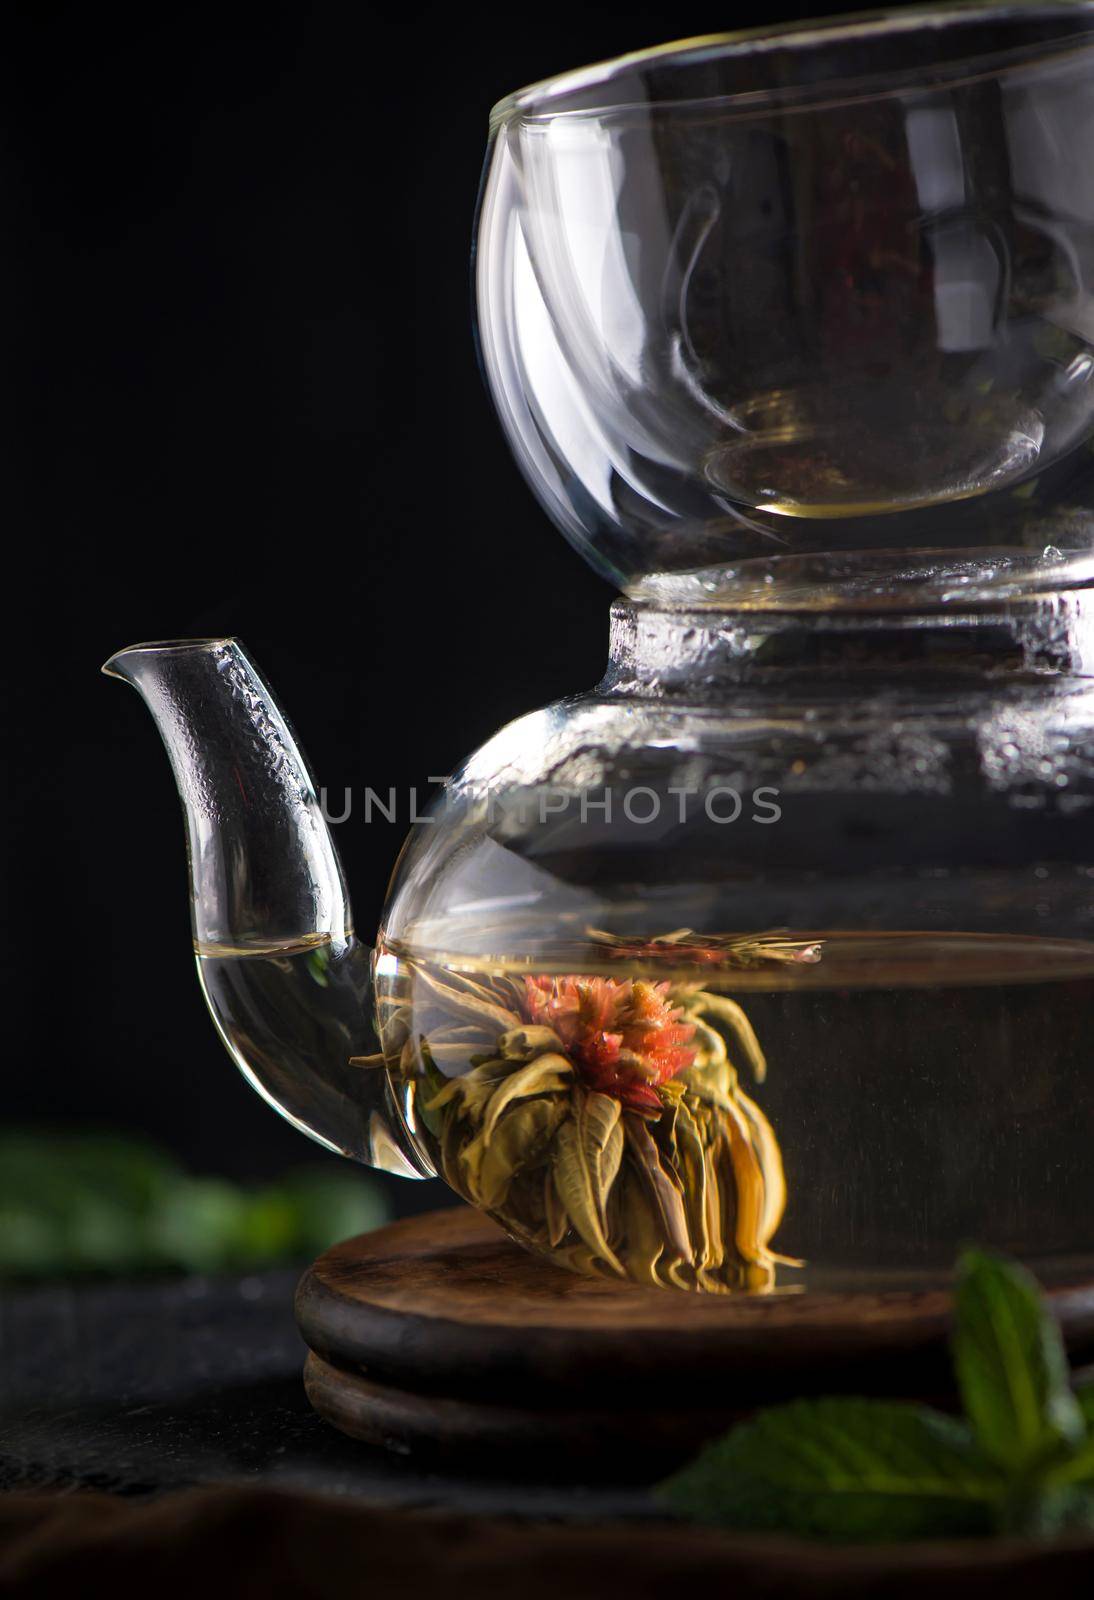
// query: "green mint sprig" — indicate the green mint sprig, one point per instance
point(1019, 1461)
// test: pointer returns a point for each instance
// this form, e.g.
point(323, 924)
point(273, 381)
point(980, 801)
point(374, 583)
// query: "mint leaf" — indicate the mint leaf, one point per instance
point(1075, 1469)
point(1051, 1510)
point(842, 1469)
point(1084, 1396)
point(1011, 1367)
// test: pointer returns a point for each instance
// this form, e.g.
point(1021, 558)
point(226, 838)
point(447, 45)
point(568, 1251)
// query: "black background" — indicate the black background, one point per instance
point(241, 396)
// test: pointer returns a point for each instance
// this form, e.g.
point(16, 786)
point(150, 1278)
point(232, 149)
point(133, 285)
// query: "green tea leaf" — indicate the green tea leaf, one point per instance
point(555, 1219)
point(583, 1152)
point(546, 1074)
point(471, 1091)
point(842, 1469)
point(521, 1044)
point(662, 1187)
point(644, 1236)
point(518, 1144)
point(460, 997)
point(734, 1018)
point(692, 1161)
point(769, 1156)
point(1011, 1366)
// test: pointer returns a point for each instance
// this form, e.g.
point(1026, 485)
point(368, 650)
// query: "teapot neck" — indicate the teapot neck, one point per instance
point(659, 652)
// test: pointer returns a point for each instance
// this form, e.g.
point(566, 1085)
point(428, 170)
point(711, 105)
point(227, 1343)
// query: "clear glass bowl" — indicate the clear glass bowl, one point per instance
point(824, 289)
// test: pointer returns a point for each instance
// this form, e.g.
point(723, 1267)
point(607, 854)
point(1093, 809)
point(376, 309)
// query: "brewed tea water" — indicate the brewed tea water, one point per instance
point(292, 1014)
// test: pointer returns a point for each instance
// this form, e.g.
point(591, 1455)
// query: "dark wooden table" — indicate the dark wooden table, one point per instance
point(140, 1388)
point(143, 1389)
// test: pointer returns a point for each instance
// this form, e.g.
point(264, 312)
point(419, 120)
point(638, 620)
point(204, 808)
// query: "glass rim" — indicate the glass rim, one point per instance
point(539, 97)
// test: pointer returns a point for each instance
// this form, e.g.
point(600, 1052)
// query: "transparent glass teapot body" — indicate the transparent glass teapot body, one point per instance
point(806, 908)
point(813, 291)
point(767, 964)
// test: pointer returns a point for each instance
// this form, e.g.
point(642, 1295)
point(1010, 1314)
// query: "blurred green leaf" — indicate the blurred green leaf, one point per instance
point(1047, 1510)
point(269, 1228)
point(330, 1205)
point(198, 1226)
point(32, 1245)
point(1084, 1395)
point(49, 1170)
point(73, 1204)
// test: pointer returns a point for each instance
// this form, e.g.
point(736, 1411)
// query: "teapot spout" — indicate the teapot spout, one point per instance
point(284, 975)
point(263, 866)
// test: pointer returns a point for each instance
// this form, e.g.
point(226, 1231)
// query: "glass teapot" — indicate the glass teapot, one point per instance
point(768, 963)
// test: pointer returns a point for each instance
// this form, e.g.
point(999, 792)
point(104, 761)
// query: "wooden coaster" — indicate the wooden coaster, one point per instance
point(439, 1336)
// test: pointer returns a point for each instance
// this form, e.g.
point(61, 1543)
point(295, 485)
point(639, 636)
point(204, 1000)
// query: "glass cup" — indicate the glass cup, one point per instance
point(755, 303)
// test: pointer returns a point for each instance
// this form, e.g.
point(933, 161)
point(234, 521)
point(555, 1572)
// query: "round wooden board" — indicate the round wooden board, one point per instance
point(549, 1441)
point(440, 1335)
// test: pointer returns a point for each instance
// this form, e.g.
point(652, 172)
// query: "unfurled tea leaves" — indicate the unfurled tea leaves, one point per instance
point(691, 1158)
point(770, 1158)
point(580, 1172)
point(1010, 1364)
point(493, 1164)
point(733, 1017)
point(749, 1177)
point(664, 1188)
point(842, 1469)
point(554, 1211)
point(546, 1074)
point(464, 999)
point(521, 1044)
point(660, 1205)
point(472, 1092)
point(645, 1240)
